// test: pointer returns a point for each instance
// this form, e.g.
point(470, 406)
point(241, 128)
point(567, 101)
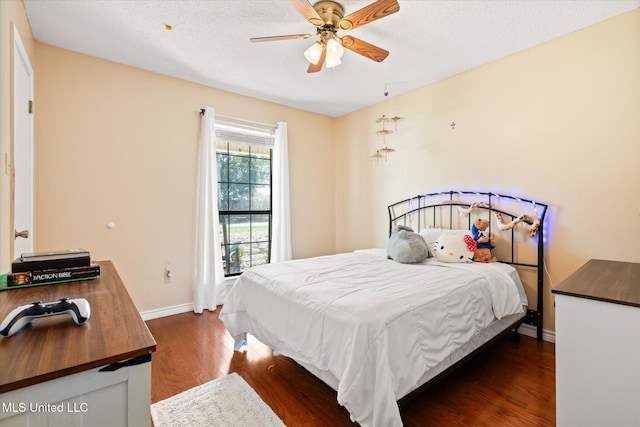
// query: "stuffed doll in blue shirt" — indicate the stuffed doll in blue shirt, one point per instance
point(485, 244)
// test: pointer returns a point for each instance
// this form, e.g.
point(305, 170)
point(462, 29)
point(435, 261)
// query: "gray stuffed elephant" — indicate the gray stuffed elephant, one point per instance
point(405, 246)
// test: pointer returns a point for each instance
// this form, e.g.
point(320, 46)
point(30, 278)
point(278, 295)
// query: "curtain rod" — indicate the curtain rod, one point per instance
point(241, 120)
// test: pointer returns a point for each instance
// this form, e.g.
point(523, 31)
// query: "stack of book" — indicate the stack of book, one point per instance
point(43, 268)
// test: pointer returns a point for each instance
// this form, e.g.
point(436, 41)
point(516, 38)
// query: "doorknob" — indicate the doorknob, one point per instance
point(24, 234)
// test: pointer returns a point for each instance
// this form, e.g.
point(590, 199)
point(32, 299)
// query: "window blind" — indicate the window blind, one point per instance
point(231, 132)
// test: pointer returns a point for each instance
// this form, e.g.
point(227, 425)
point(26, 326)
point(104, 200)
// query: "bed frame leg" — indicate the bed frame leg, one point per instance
point(239, 341)
point(515, 335)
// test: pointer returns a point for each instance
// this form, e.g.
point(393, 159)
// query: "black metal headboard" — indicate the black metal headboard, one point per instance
point(517, 224)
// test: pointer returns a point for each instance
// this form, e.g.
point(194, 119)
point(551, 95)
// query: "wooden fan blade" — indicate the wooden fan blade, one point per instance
point(275, 38)
point(307, 11)
point(314, 68)
point(365, 49)
point(368, 14)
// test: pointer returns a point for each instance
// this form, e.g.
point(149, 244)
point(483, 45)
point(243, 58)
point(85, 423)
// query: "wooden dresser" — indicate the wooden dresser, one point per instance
point(598, 346)
point(54, 372)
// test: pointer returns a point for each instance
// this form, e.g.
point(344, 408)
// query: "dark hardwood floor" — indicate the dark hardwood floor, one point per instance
point(506, 385)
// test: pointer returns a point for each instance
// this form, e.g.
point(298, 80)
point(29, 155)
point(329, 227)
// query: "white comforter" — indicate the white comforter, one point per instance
point(375, 324)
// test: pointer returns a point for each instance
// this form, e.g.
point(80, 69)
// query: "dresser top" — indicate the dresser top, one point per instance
point(610, 281)
point(53, 347)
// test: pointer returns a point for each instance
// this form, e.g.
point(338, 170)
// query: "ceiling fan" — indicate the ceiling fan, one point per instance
point(328, 18)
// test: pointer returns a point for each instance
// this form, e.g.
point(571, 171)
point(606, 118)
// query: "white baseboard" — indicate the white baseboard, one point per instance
point(166, 311)
point(180, 308)
point(530, 331)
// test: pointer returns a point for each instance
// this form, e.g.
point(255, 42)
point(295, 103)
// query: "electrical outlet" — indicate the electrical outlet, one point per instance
point(168, 274)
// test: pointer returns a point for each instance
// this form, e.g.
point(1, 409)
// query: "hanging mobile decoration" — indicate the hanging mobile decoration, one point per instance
point(377, 155)
point(382, 152)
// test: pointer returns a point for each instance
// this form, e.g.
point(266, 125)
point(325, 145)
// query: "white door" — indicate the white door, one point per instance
point(22, 148)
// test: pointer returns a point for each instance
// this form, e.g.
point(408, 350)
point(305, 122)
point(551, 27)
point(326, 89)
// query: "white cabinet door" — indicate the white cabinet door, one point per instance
point(87, 399)
point(597, 363)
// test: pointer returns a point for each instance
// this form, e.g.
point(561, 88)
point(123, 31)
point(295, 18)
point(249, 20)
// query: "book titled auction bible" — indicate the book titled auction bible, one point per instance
point(51, 276)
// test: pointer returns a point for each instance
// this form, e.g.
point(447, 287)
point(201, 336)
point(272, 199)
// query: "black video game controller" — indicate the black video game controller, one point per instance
point(78, 308)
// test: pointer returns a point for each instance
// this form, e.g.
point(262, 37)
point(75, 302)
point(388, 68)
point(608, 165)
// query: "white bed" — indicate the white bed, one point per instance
point(372, 328)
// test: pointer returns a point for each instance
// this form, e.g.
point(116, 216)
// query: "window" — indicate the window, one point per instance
point(244, 195)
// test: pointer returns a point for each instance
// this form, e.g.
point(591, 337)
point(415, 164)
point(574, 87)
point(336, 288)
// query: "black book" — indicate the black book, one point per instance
point(54, 255)
point(51, 260)
point(51, 276)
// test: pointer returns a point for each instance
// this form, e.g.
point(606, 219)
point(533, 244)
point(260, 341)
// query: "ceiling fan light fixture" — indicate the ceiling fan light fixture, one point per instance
point(334, 49)
point(332, 61)
point(313, 53)
point(334, 53)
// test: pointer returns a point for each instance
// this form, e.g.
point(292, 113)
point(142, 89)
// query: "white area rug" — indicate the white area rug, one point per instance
point(226, 402)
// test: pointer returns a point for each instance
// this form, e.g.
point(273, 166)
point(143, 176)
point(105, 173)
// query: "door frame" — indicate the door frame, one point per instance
point(21, 58)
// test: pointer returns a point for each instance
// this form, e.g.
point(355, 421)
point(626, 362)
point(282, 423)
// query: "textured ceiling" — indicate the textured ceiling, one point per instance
point(209, 44)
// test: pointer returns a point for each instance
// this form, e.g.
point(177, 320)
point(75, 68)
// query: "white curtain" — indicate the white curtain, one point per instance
point(281, 231)
point(209, 272)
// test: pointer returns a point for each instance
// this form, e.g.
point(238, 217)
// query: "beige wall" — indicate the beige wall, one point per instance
point(12, 15)
point(119, 144)
point(558, 123)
